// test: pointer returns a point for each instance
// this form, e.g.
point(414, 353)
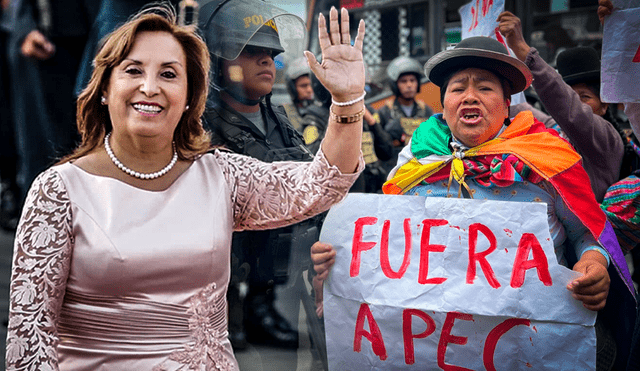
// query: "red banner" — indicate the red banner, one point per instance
point(351, 4)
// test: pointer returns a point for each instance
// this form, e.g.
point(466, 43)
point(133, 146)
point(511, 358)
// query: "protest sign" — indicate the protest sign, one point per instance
point(480, 18)
point(620, 64)
point(435, 283)
point(625, 4)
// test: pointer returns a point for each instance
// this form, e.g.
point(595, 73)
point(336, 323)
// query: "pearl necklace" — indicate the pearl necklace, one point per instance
point(136, 174)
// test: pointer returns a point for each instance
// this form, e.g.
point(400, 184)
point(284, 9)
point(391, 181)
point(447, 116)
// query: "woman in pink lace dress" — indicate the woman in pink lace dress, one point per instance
point(122, 253)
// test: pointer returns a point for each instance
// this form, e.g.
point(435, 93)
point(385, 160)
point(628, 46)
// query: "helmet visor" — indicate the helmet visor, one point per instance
point(239, 23)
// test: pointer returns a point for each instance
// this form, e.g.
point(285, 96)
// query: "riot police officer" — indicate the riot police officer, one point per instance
point(402, 116)
point(299, 87)
point(299, 82)
point(243, 37)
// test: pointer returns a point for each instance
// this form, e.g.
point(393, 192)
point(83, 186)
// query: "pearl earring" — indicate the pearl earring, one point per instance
point(186, 108)
point(103, 100)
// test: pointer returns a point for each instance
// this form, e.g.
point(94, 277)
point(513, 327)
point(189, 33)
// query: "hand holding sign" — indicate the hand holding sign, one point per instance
point(605, 7)
point(439, 285)
point(323, 257)
point(510, 26)
point(592, 288)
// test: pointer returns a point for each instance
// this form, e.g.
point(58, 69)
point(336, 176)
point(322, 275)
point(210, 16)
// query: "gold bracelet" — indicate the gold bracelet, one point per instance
point(349, 119)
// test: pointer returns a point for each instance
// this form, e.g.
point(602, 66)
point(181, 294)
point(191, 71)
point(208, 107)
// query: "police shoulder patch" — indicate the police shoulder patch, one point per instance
point(310, 134)
point(376, 117)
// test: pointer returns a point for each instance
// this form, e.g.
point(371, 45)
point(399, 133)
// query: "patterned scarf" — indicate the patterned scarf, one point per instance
point(499, 162)
point(525, 150)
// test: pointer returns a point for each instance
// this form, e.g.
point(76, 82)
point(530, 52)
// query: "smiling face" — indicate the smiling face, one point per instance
point(147, 92)
point(590, 98)
point(252, 73)
point(475, 106)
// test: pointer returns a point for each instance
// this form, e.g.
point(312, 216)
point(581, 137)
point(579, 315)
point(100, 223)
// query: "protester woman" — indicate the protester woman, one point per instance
point(473, 150)
point(122, 253)
point(572, 98)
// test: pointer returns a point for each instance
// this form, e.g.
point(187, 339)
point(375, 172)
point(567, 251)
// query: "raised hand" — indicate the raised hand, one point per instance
point(511, 28)
point(342, 67)
point(605, 7)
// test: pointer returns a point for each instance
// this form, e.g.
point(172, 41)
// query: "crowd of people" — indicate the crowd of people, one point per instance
point(162, 203)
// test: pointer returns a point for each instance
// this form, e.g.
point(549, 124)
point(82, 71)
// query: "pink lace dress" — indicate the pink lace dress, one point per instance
point(107, 276)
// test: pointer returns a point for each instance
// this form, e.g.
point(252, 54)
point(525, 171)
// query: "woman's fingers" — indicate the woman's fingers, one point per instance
point(313, 62)
point(323, 36)
point(360, 36)
point(338, 29)
point(592, 302)
point(334, 26)
point(323, 267)
point(323, 257)
point(320, 247)
point(344, 27)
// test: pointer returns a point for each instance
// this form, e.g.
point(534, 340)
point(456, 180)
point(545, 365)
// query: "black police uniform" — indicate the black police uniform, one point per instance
point(400, 126)
point(274, 256)
point(396, 122)
point(295, 113)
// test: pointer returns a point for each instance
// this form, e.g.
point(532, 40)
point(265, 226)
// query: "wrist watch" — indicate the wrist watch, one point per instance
point(349, 119)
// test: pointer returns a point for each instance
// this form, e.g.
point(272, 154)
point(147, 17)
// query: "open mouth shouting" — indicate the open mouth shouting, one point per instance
point(147, 108)
point(470, 116)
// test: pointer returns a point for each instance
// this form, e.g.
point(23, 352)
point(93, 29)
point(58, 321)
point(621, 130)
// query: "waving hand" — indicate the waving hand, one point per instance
point(342, 67)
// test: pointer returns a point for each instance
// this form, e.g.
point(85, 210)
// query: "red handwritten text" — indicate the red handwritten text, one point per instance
point(476, 11)
point(446, 337)
point(528, 245)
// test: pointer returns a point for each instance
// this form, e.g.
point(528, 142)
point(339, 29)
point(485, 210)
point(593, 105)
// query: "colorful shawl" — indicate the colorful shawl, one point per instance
point(621, 204)
point(525, 150)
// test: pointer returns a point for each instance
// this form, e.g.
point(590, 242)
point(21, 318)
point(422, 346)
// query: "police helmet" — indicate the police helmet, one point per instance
point(401, 66)
point(228, 26)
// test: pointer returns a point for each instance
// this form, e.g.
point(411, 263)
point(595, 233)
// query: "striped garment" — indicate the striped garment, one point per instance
point(621, 204)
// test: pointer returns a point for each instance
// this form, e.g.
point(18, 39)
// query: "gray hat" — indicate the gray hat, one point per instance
point(479, 52)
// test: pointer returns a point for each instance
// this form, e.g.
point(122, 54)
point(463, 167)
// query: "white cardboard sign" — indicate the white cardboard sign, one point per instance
point(435, 283)
point(620, 64)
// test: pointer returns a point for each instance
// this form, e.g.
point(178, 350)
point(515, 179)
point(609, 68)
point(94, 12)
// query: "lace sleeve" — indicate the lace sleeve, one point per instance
point(42, 252)
point(272, 195)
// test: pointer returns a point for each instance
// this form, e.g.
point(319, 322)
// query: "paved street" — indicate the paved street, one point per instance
point(255, 358)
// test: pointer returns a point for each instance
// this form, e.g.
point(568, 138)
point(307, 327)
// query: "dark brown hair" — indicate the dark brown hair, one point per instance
point(93, 119)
